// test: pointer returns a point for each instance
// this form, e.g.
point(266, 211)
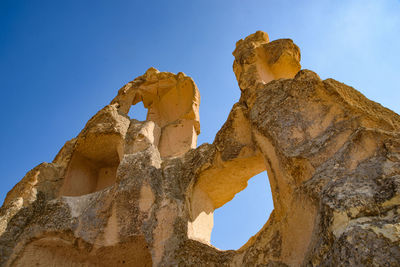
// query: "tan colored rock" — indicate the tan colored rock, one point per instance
point(141, 136)
point(97, 153)
point(173, 105)
point(130, 193)
point(259, 61)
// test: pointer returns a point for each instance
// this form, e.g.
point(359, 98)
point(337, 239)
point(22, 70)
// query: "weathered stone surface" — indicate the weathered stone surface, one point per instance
point(173, 103)
point(129, 193)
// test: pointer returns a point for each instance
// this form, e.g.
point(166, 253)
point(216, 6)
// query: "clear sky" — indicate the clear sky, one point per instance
point(62, 61)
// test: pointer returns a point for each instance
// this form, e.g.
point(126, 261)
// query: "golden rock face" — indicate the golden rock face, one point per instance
point(173, 105)
point(131, 193)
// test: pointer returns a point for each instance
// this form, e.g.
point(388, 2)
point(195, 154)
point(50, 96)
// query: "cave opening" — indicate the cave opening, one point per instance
point(88, 175)
point(242, 217)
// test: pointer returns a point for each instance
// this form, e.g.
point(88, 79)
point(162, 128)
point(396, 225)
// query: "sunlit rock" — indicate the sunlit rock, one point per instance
point(131, 193)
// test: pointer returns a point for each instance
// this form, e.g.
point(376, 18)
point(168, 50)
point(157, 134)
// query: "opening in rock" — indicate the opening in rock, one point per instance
point(243, 216)
point(93, 165)
point(85, 176)
point(217, 186)
point(138, 112)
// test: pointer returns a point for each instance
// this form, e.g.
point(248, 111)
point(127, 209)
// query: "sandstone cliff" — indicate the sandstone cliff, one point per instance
point(131, 193)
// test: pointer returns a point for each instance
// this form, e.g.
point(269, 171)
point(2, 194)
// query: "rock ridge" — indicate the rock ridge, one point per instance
point(141, 193)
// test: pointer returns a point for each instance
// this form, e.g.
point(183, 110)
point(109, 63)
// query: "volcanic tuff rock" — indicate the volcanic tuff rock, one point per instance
point(131, 193)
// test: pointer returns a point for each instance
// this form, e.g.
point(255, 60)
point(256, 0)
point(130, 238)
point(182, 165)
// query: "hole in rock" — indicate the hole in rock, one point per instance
point(85, 176)
point(138, 112)
point(243, 216)
point(93, 165)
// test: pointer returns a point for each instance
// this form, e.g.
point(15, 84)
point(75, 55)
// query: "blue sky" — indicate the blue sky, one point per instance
point(61, 61)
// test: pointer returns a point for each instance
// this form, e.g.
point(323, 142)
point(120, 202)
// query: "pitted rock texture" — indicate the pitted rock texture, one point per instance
point(131, 193)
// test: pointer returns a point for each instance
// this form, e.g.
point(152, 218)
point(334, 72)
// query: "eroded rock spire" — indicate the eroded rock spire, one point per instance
point(131, 193)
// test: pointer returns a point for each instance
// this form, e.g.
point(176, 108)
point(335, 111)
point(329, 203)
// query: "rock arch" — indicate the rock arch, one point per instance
point(173, 105)
point(332, 157)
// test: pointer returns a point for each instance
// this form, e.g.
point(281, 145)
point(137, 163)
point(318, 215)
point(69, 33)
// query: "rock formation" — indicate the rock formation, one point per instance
point(131, 193)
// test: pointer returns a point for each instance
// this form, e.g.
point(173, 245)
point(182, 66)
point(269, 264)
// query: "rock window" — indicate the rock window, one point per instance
point(243, 216)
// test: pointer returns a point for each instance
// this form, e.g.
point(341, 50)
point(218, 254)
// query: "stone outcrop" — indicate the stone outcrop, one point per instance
point(131, 193)
point(173, 105)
